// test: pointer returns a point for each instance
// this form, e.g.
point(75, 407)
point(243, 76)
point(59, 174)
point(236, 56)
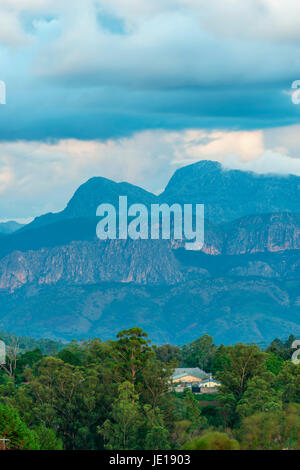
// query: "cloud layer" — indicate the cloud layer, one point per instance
point(129, 65)
point(37, 177)
point(137, 88)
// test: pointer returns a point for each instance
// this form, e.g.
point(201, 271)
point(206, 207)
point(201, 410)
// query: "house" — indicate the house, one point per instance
point(209, 386)
point(194, 378)
point(186, 377)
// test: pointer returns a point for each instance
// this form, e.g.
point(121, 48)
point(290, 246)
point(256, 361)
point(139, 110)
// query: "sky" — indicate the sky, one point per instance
point(134, 89)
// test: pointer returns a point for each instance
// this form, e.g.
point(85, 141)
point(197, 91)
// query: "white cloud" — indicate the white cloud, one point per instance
point(11, 31)
point(38, 177)
point(6, 177)
point(170, 47)
point(167, 42)
point(269, 19)
point(269, 162)
point(275, 20)
point(194, 145)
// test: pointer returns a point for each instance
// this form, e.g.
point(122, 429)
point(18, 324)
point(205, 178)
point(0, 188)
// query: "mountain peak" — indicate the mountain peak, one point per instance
point(101, 190)
point(10, 227)
point(90, 195)
point(231, 194)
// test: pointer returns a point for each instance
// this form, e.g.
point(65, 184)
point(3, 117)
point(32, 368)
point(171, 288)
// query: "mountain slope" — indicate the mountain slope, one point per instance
point(231, 194)
point(58, 280)
point(90, 195)
point(10, 227)
point(230, 309)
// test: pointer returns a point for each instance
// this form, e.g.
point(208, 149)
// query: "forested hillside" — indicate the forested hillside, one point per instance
point(118, 395)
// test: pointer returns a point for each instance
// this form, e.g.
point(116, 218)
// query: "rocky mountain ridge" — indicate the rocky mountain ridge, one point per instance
point(246, 276)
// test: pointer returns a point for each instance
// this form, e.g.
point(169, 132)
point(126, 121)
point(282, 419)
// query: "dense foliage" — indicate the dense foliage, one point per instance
point(117, 395)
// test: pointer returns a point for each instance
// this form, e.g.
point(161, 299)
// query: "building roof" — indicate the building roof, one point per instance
point(193, 371)
point(208, 381)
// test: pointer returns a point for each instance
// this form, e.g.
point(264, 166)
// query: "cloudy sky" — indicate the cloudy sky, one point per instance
point(133, 89)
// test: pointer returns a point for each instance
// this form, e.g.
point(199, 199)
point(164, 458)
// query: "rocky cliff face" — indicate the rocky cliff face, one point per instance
point(154, 261)
point(263, 233)
point(140, 262)
point(267, 233)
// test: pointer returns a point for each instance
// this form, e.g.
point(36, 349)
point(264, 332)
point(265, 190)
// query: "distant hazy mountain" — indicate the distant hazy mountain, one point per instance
point(57, 279)
point(9, 227)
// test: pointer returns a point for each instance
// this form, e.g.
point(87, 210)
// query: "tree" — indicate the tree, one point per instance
point(199, 353)
point(131, 353)
point(212, 441)
point(120, 432)
point(117, 394)
point(221, 360)
point(192, 413)
point(213, 415)
point(74, 353)
point(48, 439)
point(18, 435)
point(154, 381)
point(244, 362)
point(180, 433)
point(274, 363)
point(25, 361)
point(282, 349)
point(276, 430)
point(157, 439)
point(64, 398)
point(168, 353)
point(260, 395)
point(157, 436)
point(69, 357)
point(12, 351)
point(288, 380)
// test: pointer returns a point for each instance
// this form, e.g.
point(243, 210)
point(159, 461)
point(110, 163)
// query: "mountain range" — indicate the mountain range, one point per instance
point(9, 227)
point(58, 280)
